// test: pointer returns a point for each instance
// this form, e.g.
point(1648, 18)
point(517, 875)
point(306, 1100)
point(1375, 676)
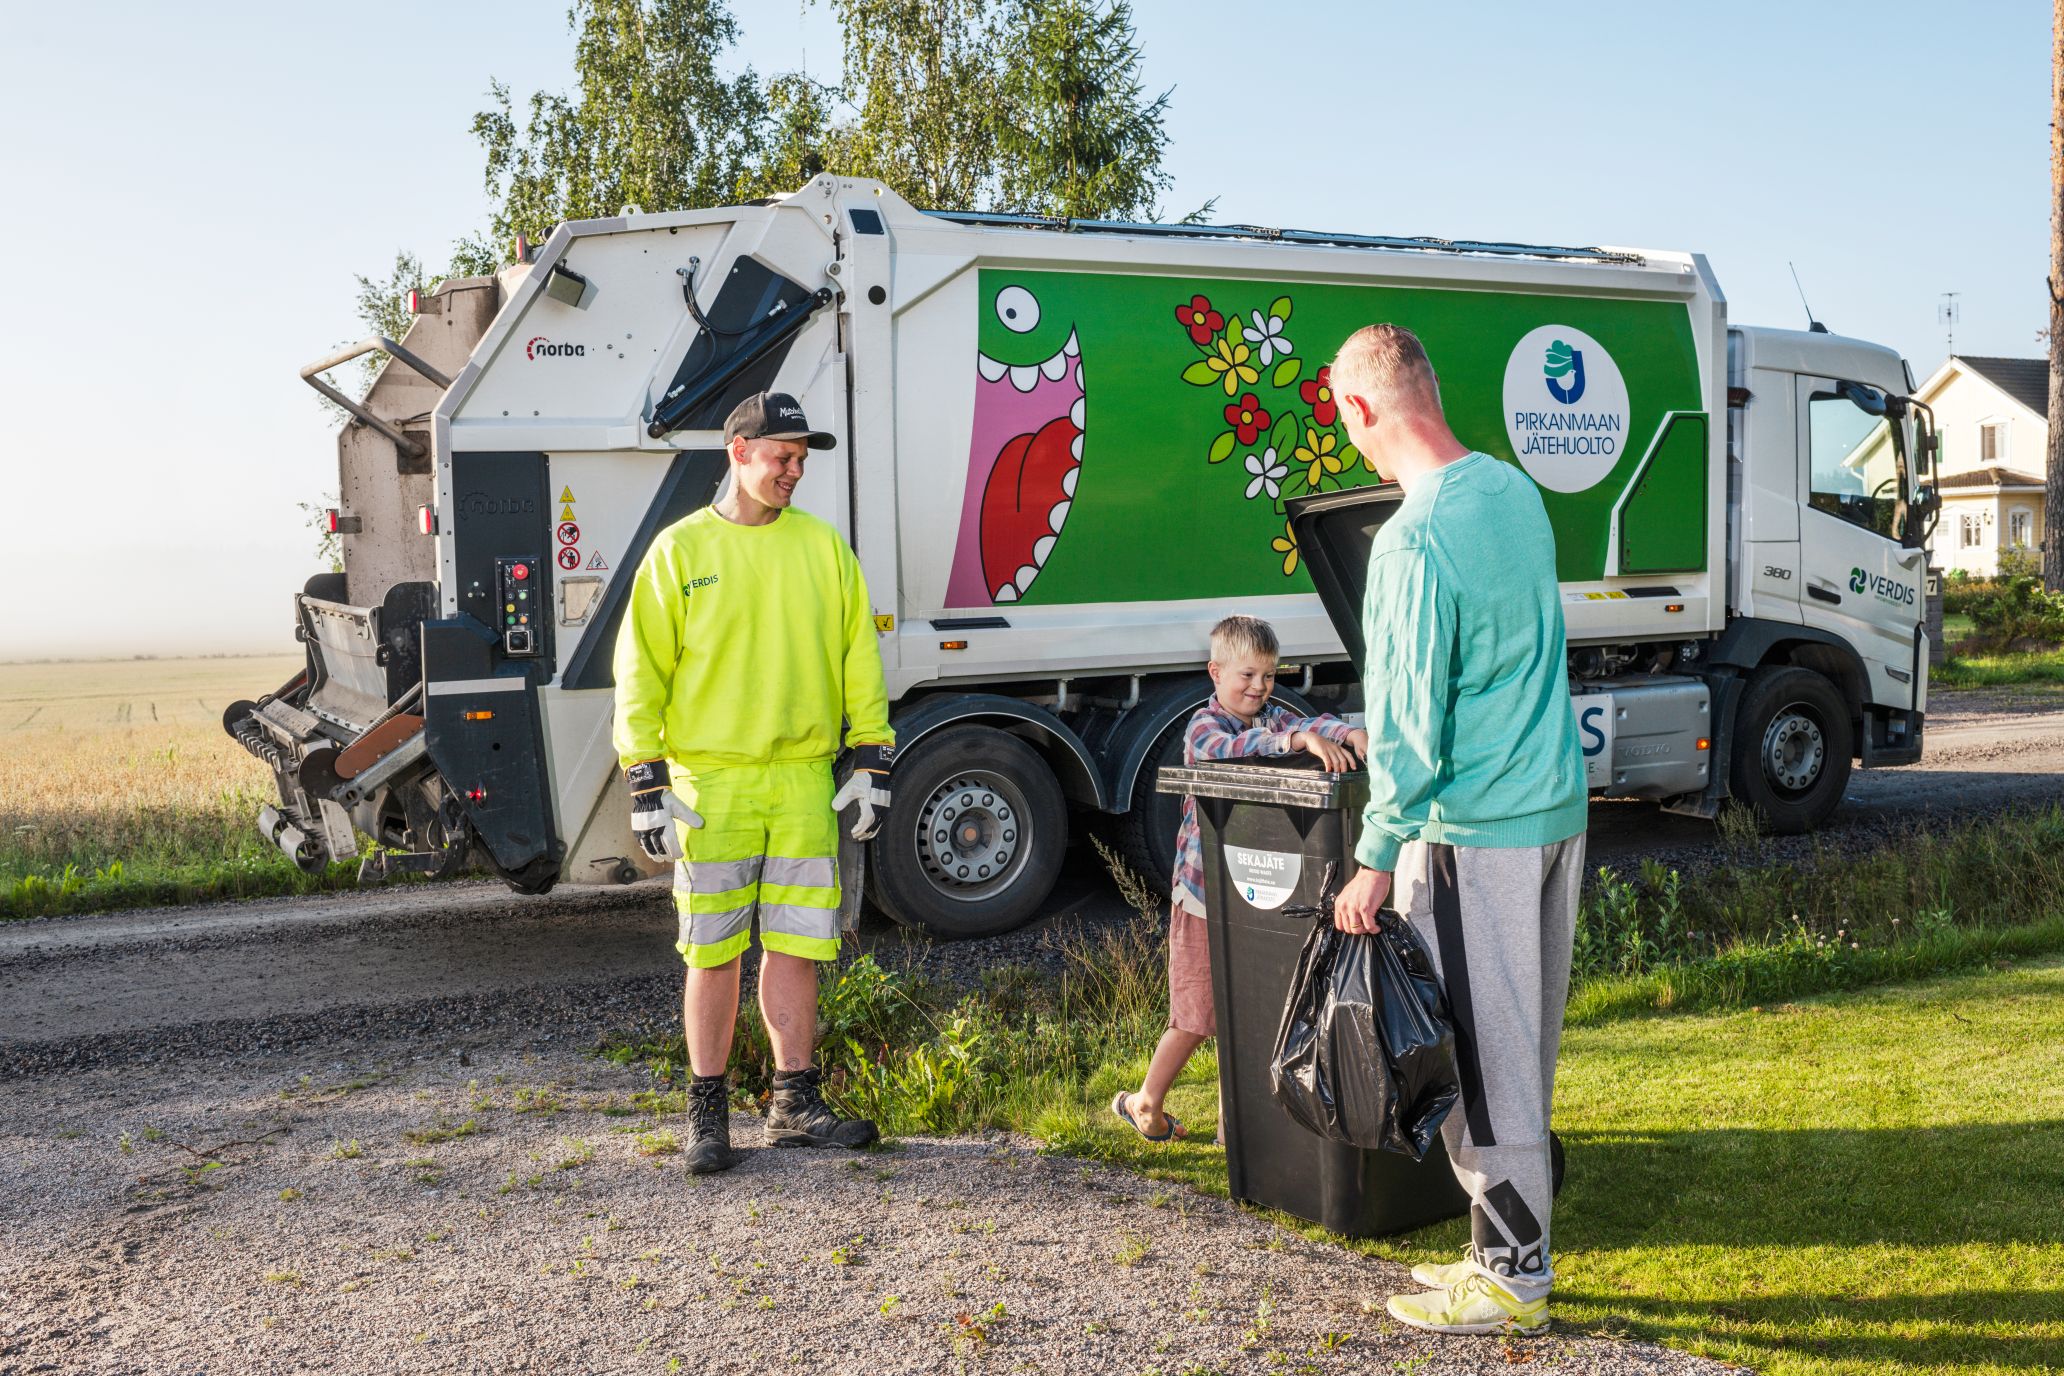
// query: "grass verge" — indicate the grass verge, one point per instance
point(1999, 670)
point(1858, 1181)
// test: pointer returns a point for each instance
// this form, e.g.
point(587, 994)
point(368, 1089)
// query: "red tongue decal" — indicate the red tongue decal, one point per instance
point(1024, 486)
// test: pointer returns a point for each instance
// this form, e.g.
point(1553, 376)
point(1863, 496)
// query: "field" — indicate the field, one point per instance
point(118, 786)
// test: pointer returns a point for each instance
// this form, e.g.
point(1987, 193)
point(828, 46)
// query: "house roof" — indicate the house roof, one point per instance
point(1990, 477)
point(2026, 380)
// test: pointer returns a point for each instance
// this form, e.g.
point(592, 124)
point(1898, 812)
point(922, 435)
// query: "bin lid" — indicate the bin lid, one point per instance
point(1334, 531)
point(1288, 781)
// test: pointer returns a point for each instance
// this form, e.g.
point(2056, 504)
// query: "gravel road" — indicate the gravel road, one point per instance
point(133, 1045)
point(402, 1209)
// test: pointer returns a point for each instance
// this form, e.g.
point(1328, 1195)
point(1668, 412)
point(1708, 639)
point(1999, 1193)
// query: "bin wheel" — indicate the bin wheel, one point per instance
point(1793, 743)
point(975, 839)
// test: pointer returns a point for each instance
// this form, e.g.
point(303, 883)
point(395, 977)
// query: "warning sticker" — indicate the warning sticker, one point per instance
point(566, 512)
point(565, 494)
point(1610, 595)
point(569, 533)
point(1265, 878)
point(596, 561)
point(569, 558)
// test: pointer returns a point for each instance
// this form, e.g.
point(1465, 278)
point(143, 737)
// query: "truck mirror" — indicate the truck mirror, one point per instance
point(1929, 447)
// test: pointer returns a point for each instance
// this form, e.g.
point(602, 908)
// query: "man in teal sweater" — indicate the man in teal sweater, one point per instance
point(1476, 806)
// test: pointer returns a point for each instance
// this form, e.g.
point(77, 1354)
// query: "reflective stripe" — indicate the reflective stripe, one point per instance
point(716, 876)
point(801, 947)
point(723, 953)
point(707, 929)
point(793, 919)
point(802, 874)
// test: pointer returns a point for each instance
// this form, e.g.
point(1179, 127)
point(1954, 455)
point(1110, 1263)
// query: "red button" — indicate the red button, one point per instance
point(522, 571)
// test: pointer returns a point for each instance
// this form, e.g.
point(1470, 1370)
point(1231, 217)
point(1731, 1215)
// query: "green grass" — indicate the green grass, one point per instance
point(1869, 1182)
point(1999, 670)
point(1866, 1182)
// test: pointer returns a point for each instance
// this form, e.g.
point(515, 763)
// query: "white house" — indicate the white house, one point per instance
point(1995, 442)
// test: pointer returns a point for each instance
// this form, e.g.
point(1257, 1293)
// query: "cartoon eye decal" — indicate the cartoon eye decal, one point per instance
point(1018, 309)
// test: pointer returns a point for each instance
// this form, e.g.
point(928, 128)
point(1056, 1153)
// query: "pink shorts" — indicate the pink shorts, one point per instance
point(1189, 975)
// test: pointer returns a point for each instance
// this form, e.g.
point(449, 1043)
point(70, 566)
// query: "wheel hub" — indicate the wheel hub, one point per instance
point(1794, 750)
point(971, 836)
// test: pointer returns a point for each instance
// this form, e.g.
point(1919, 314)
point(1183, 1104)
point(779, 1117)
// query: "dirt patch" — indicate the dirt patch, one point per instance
point(523, 1212)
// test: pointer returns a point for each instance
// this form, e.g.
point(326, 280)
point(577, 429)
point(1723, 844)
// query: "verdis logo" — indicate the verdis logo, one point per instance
point(1886, 590)
point(1565, 408)
point(541, 347)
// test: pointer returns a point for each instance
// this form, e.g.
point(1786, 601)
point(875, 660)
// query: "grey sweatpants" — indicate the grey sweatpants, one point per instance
point(1499, 924)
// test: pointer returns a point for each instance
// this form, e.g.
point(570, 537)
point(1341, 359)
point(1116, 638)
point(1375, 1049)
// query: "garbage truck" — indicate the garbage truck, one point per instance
point(1066, 449)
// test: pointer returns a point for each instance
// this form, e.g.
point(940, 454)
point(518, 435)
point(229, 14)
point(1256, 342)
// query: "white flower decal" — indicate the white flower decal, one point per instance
point(1267, 337)
point(1268, 474)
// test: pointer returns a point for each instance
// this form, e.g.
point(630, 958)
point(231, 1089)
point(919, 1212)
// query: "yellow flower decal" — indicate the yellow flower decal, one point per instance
point(1316, 454)
point(1231, 365)
point(1286, 545)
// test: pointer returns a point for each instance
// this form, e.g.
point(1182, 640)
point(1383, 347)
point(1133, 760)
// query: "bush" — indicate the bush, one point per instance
point(2011, 612)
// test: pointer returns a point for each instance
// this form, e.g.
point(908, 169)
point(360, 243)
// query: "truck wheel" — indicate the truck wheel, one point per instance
point(1146, 832)
point(1793, 743)
point(974, 841)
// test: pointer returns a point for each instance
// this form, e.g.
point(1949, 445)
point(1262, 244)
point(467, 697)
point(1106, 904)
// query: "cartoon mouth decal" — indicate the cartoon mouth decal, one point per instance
point(1025, 454)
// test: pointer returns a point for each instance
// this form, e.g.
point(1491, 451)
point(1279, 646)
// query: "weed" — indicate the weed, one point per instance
point(766, 1301)
point(658, 1142)
point(346, 1151)
point(543, 1100)
point(576, 1152)
point(1411, 1366)
point(891, 1306)
point(289, 1195)
point(288, 1278)
point(1135, 1249)
point(848, 1253)
point(394, 1254)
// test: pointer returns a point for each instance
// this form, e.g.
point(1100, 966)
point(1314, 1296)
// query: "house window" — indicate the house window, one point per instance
point(1992, 442)
point(2020, 528)
point(1967, 530)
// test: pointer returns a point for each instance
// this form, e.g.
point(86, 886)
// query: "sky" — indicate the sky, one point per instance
point(189, 191)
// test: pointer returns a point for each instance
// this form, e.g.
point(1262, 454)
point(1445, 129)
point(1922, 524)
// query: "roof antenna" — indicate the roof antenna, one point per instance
point(1812, 325)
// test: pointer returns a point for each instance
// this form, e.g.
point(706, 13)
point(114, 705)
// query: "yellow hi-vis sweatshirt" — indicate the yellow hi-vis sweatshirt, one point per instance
point(746, 645)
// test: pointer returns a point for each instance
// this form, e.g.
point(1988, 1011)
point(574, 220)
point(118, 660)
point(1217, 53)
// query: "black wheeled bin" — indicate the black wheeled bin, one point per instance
point(1270, 828)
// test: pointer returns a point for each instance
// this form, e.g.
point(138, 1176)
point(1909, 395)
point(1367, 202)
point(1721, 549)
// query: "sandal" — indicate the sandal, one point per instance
point(1124, 1113)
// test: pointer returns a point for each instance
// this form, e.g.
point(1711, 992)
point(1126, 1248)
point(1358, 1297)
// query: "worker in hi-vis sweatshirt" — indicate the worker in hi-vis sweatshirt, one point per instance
point(748, 645)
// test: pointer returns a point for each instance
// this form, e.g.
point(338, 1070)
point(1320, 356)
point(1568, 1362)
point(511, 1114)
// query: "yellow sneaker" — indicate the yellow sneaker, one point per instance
point(1443, 1275)
point(1475, 1304)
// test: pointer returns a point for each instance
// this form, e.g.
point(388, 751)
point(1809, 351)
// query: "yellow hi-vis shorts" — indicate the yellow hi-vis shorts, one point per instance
point(768, 846)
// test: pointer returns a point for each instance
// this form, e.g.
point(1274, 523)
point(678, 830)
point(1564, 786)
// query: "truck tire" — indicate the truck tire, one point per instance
point(1793, 742)
point(975, 839)
point(1146, 831)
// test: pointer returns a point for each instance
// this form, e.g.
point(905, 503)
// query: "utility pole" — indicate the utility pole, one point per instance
point(2053, 476)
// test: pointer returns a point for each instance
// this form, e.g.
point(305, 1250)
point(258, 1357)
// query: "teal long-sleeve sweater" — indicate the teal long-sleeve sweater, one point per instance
point(1471, 737)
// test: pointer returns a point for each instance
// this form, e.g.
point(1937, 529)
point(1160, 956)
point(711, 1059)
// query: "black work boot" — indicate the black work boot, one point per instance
point(709, 1126)
point(799, 1117)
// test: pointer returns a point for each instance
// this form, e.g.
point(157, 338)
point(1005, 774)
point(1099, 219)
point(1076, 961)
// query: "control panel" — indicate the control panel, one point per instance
point(520, 597)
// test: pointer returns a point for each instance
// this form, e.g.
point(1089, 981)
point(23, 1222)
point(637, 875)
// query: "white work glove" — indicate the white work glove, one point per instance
point(655, 809)
point(868, 787)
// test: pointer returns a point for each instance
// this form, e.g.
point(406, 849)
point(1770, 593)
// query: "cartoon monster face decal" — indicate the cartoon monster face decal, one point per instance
point(1026, 447)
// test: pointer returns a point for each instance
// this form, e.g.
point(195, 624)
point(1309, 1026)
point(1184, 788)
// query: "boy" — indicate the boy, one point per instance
point(1239, 720)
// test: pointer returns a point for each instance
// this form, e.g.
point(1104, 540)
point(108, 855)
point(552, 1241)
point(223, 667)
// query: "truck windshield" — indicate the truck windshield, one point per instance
point(1859, 466)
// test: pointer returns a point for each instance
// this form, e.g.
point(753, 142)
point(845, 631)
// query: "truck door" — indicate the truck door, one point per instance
point(1859, 582)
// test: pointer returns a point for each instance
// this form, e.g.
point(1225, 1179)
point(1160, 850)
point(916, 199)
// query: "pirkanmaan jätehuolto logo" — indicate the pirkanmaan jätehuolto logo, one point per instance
point(1565, 408)
point(541, 347)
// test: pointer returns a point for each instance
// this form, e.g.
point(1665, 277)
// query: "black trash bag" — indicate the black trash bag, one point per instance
point(1365, 1053)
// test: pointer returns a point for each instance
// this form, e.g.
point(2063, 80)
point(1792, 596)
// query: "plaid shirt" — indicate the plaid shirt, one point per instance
point(1216, 734)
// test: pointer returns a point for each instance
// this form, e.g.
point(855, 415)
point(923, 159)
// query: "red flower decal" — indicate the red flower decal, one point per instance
point(1247, 419)
point(1200, 320)
point(1318, 394)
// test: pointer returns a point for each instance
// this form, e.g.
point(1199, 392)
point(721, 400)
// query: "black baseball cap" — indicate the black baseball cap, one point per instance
point(774, 416)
